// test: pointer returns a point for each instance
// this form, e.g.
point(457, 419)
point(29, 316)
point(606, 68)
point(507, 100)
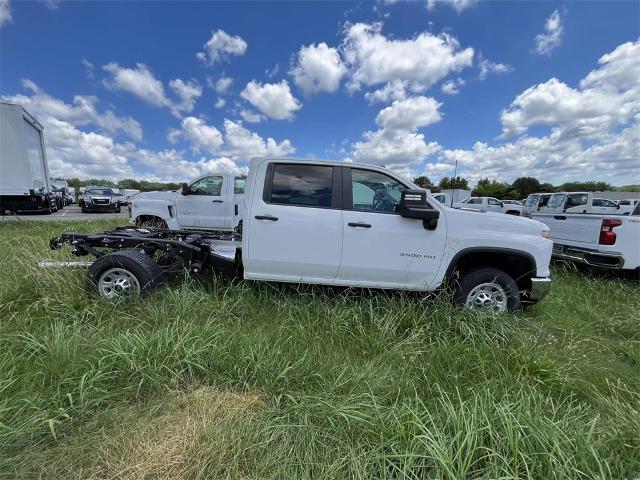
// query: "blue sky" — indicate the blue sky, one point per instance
point(549, 89)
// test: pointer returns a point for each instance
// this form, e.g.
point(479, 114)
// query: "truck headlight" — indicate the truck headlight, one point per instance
point(545, 233)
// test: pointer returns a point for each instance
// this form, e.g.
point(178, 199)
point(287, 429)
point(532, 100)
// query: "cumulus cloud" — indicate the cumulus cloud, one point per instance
point(141, 82)
point(82, 111)
point(223, 84)
point(451, 87)
point(318, 68)
point(415, 64)
point(251, 116)
point(235, 141)
point(5, 12)
point(272, 99)
point(594, 130)
point(221, 46)
point(457, 5)
point(547, 41)
point(170, 166)
point(397, 144)
point(220, 103)
point(487, 67)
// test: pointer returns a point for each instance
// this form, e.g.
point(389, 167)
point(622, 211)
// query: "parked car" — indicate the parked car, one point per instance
point(627, 205)
point(211, 202)
point(599, 240)
point(490, 204)
point(580, 202)
point(99, 199)
point(339, 224)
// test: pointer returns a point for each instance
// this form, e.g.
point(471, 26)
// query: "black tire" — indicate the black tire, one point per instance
point(84, 210)
point(147, 273)
point(117, 209)
point(473, 278)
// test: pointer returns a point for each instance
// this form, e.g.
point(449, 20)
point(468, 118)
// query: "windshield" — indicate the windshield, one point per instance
point(531, 200)
point(100, 191)
point(556, 200)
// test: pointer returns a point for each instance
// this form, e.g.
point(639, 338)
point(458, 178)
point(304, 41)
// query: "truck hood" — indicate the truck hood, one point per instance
point(165, 195)
point(497, 221)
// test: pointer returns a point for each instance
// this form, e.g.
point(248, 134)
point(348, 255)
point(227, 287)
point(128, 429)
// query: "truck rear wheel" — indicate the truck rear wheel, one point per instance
point(487, 289)
point(126, 274)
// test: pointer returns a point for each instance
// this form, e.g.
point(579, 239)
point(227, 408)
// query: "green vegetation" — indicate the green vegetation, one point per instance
point(202, 379)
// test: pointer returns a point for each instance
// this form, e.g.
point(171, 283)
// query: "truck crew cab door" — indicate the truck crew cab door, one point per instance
point(381, 248)
point(494, 205)
point(294, 225)
point(203, 206)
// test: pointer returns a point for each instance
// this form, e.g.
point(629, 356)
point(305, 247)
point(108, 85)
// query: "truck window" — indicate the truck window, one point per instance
point(374, 191)
point(575, 200)
point(555, 201)
point(531, 200)
point(605, 203)
point(301, 185)
point(493, 201)
point(238, 185)
point(544, 200)
point(474, 201)
point(211, 185)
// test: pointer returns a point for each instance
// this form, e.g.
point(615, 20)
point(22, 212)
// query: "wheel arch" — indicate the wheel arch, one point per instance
point(520, 265)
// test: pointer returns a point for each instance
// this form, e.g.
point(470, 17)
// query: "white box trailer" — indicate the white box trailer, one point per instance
point(24, 173)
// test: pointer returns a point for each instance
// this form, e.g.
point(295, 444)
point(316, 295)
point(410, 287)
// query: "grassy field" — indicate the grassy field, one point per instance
point(202, 379)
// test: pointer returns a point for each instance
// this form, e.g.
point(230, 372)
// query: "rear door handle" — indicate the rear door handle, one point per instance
point(559, 217)
point(216, 201)
point(266, 217)
point(359, 224)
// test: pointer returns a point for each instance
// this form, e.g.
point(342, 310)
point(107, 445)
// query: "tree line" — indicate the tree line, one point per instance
point(519, 189)
point(128, 183)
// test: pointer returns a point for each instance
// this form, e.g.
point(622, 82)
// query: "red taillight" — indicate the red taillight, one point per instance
point(607, 235)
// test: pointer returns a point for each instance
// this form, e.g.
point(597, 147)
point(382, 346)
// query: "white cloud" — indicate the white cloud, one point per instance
point(458, 5)
point(223, 84)
point(608, 96)
point(594, 129)
point(202, 137)
point(251, 116)
point(393, 90)
point(546, 42)
point(486, 67)
point(419, 62)
point(82, 111)
point(409, 114)
point(397, 144)
point(450, 87)
point(318, 68)
point(141, 82)
point(220, 103)
point(170, 166)
point(272, 99)
point(138, 81)
point(236, 143)
point(88, 68)
point(221, 46)
point(5, 12)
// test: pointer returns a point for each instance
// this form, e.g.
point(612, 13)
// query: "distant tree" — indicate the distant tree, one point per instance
point(525, 186)
point(423, 182)
point(591, 186)
point(547, 188)
point(452, 183)
point(129, 183)
point(491, 188)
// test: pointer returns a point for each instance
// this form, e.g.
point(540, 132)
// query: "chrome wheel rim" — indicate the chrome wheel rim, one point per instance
point(487, 296)
point(118, 282)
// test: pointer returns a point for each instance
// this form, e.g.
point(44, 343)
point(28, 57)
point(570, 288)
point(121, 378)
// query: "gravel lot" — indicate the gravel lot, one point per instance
point(71, 212)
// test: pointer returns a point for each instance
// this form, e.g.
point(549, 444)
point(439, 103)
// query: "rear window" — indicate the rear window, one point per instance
point(238, 185)
point(576, 199)
point(301, 185)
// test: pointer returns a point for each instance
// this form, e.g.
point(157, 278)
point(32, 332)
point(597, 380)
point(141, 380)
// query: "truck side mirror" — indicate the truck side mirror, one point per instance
point(184, 189)
point(413, 204)
point(618, 207)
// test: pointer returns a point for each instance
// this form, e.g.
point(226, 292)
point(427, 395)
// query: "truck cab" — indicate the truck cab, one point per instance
point(581, 202)
point(490, 204)
point(210, 202)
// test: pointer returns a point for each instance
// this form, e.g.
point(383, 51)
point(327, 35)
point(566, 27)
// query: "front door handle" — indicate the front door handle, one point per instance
point(266, 217)
point(359, 224)
point(216, 201)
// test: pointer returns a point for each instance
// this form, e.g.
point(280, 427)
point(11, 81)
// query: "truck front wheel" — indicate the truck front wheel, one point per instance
point(487, 289)
point(124, 274)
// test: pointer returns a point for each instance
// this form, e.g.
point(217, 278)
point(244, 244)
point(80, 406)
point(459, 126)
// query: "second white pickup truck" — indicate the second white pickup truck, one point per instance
point(335, 223)
point(211, 202)
point(491, 204)
point(603, 241)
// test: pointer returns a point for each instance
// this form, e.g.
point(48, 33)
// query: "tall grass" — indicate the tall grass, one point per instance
point(203, 379)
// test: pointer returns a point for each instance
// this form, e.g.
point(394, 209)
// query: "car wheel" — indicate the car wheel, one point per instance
point(118, 209)
point(83, 209)
point(125, 274)
point(487, 289)
point(152, 223)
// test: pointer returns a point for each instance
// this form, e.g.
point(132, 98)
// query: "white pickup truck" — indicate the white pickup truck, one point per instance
point(604, 241)
point(580, 202)
point(490, 204)
point(211, 202)
point(335, 223)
